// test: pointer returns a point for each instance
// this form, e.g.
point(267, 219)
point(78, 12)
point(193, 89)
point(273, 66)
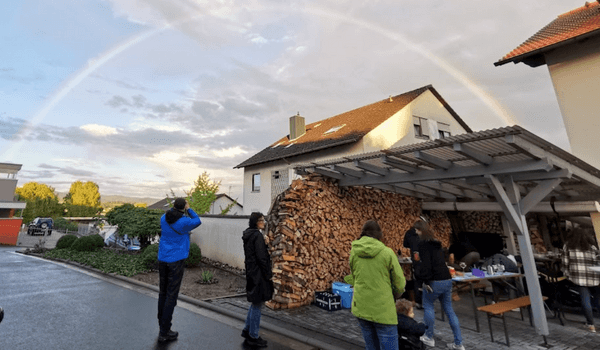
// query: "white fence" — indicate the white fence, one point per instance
point(220, 238)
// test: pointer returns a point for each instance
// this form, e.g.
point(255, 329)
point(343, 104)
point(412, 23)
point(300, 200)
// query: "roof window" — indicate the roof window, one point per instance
point(279, 144)
point(334, 129)
point(289, 145)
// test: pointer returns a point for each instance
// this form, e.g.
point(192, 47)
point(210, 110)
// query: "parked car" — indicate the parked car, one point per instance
point(40, 225)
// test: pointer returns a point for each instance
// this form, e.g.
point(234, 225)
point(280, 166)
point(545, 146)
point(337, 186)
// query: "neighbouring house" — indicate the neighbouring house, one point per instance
point(414, 116)
point(570, 47)
point(9, 226)
point(221, 203)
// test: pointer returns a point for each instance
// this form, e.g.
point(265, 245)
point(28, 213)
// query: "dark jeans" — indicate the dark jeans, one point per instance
point(170, 275)
point(585, 294)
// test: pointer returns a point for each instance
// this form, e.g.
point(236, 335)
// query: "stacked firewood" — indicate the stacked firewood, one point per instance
point(311, 227)
point(480, 221)
point(536, 239)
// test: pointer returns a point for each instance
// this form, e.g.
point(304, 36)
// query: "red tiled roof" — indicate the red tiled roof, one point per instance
point(356, 124)
point(576, 24)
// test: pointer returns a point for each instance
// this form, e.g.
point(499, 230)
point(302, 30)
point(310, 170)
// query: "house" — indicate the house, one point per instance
point(9, 226)
point(222, 201)
point(414, 116)
point(8, 185)
point(570, 47)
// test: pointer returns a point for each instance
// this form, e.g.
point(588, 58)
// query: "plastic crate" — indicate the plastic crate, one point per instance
point(345, 291)
point(328, 301)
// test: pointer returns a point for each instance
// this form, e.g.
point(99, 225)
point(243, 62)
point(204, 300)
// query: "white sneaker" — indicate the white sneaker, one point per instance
point(427, 341)
point(455, 347)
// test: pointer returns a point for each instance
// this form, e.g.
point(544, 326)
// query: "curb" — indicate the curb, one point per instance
point(206, 305)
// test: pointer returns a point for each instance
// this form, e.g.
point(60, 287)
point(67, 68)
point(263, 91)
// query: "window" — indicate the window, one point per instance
point(256, 182)
point(444, 134)
point(334, 129)
point(420, 125)
point(444, 130)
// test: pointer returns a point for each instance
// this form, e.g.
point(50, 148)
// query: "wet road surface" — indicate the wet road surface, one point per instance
point(56, 306)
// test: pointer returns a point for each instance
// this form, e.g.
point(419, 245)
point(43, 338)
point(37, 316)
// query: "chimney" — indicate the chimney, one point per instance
point(297, 126)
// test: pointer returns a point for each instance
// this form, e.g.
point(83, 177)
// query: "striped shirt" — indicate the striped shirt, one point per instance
point(576, 265)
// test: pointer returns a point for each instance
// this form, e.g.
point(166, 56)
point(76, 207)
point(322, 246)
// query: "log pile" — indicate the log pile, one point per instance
point(480, 221)
point(310, 228)
point(536, 239)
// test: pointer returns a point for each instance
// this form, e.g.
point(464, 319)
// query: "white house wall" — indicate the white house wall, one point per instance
point(220, 239)
point(575, 72)
point(222, 203)
point(399, 131)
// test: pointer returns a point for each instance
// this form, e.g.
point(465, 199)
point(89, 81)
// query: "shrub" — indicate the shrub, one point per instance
point(63, 224)
point(207, 276)
point(65, 241)
point(88, 243)
point(150, 256)
point(195, 255)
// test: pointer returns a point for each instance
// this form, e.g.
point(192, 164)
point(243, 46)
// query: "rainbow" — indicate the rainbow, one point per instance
point(94, 64)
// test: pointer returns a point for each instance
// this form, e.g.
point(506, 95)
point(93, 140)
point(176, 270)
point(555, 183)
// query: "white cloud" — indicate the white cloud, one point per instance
point(99, 130)
point(229, 152)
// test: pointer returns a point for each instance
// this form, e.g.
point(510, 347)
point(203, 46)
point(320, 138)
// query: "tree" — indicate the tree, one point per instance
point(87, 194)
point(32, 190)
point(142, 223)
point(42, 207)
point(81, 211)
point(203, 194)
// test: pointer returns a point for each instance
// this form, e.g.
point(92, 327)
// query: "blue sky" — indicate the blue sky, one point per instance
point(143, 96)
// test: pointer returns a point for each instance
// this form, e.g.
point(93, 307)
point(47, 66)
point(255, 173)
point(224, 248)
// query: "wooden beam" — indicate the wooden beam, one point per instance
point(472, 153)
point(434, 161)
point(371, 168)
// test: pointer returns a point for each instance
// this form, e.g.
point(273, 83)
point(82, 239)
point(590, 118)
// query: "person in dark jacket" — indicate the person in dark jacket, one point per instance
point(173, 248)
point(437, 284)
point(411, 241)
point(259, 274)
point(409, 330)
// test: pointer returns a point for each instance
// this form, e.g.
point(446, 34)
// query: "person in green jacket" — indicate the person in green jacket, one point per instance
point(378, 279)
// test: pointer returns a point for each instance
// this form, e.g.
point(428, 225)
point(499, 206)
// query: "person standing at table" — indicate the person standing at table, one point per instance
point(411, 241)
point(580, 253)
point(437, 284)
point(378, 280)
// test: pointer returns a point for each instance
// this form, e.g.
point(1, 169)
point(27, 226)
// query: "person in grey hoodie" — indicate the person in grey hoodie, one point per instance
point(259, 274)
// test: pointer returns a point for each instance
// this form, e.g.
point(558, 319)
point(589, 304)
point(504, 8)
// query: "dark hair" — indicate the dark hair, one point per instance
point(371, 229)
point(581, 239)
point(179, 203)
point(426, 232)
point(254, 217)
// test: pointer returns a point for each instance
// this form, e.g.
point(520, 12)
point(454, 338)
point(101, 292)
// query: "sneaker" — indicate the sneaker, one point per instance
point(591, 327)
point(455, 347)
point(245, 334)
point(427, 341)
point(256, 343)
point(171, 335)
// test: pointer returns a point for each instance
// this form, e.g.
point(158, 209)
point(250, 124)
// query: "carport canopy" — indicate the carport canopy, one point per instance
point(507, 169)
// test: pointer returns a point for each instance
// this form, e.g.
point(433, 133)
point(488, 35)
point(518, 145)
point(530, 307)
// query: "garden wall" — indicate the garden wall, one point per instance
point(220, 238)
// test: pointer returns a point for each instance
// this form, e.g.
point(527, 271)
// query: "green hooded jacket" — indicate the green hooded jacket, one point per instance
point(376, 274)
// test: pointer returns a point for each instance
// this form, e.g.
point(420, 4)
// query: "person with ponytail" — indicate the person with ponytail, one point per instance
point(437, 284)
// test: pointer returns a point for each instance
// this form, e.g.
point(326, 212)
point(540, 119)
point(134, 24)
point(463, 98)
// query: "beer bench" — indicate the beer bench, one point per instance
point(499, 309)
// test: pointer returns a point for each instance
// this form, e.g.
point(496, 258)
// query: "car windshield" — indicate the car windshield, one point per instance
point(36, 220)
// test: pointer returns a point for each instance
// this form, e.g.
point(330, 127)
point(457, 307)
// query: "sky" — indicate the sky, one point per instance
point(142, 96)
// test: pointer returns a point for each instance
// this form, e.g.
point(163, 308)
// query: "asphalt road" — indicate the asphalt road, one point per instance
point(51, 306)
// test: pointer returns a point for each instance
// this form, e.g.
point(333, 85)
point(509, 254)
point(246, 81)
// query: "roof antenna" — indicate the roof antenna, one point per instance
point(391, 98)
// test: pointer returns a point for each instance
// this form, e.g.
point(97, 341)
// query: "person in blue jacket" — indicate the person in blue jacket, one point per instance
point(174, 247)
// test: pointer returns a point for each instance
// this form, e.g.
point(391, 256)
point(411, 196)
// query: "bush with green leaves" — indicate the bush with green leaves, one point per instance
point(63, 224)
point(150, 256)
point(207, 276)
point(105, 260)
point(65, 241)
point(195, 255)
point(88, 243)
point(136, 222)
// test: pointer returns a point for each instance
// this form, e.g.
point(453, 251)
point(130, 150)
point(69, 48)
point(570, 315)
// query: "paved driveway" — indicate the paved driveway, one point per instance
point(55, 306)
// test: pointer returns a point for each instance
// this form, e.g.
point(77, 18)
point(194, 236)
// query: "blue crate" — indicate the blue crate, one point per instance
point(345, 291)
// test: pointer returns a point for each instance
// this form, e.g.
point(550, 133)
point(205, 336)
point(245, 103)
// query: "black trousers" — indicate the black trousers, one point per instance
point(170, 276)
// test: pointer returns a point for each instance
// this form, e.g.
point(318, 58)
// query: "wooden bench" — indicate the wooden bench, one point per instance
point(499, 309)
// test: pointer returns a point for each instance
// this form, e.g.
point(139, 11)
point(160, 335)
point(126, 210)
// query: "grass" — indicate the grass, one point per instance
point(207, 276)
point(104, 260)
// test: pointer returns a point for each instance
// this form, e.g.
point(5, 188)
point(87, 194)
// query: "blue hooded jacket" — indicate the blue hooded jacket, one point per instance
point(175, 246)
